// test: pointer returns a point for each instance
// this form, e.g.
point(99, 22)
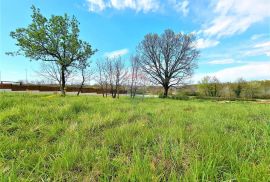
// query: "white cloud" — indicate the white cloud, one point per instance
point(180, 6)
point(250, 71)
point(258, 49)
point(263, 48)
point(96, 5)
point(257, 36)
point(206, 43)
point(116, 53)
point(137, 5)
point(261, 45)
point(234, 16)
point(222, 61)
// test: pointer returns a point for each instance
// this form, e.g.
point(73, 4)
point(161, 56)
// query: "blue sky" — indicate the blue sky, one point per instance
point(233, 35)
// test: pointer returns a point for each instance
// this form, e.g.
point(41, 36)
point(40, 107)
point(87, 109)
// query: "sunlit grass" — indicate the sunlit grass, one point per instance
point(89, 138)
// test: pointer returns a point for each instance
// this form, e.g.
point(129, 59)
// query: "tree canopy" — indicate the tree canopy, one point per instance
point(53, 40)
point(168, 59)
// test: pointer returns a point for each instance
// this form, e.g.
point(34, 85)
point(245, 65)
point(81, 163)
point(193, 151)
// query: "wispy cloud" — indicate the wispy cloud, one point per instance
point(262, 45)
point(262, 48)
point(206, 43)
point(116, 53)
point(222, 61)
point(257, 36)
point(137, 5)
point(96, 5)
point(234, 16)
point(180, 6)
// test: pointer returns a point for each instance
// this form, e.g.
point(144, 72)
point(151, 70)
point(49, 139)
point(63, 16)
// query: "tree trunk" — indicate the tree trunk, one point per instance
point(106, 90)
point(114, 93)
point(166, 89)
point(112, 90)
point(63, 80)
point(134, 92)
point(80, 89)
point(131, 92)
point(83, 80)
point(131, 89)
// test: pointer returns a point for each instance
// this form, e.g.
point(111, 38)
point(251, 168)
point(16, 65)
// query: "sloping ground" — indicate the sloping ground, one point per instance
point(52, 138)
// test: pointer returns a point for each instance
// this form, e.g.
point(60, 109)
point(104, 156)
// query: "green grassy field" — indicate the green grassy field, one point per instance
point(89, 138)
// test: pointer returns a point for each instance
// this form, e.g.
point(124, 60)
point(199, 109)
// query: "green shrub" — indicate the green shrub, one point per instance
point(161, 95)
point(180, 97)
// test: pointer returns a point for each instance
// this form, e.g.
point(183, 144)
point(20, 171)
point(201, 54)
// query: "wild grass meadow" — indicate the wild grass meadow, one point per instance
point(89, 138)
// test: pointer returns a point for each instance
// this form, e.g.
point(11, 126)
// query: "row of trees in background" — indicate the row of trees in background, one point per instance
point(111, 75)
point(166, 59)
point(212, 87)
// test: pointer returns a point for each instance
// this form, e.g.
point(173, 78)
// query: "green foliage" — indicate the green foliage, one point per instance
point(210, 86)
point(54, 40)
point(180, 96)
point(188, 90)
point(251, 89)
point(238, 87)
point(161, 95)
point(88, 138)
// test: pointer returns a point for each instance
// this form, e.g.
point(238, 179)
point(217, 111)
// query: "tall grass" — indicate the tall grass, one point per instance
point(52, 138)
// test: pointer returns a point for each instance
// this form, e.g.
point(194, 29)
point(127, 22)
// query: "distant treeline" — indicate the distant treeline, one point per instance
point(207, 87)
point(212, 87)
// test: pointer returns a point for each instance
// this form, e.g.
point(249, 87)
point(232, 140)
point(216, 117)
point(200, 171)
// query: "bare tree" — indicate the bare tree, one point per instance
point(52, 71)
point(144, 82)
point(134, 75)
point(85, 73)
point(102, 77)
point(120, 74)
point(168, 59)
point(115, 74)
point(99, 76)
point(137, 79)
point(109, 71)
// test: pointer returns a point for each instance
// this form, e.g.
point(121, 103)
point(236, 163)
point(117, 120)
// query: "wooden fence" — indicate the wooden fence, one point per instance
point(50, 88)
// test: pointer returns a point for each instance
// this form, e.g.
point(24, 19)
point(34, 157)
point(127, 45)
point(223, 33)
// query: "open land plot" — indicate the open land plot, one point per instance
point(90, 138)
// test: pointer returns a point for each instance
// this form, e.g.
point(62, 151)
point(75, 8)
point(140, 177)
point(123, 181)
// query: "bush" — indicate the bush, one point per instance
point(161, 95)
point(180, 97)
point(210, 86)
point(176, 97)
point(265, 97)
point(223, 98)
